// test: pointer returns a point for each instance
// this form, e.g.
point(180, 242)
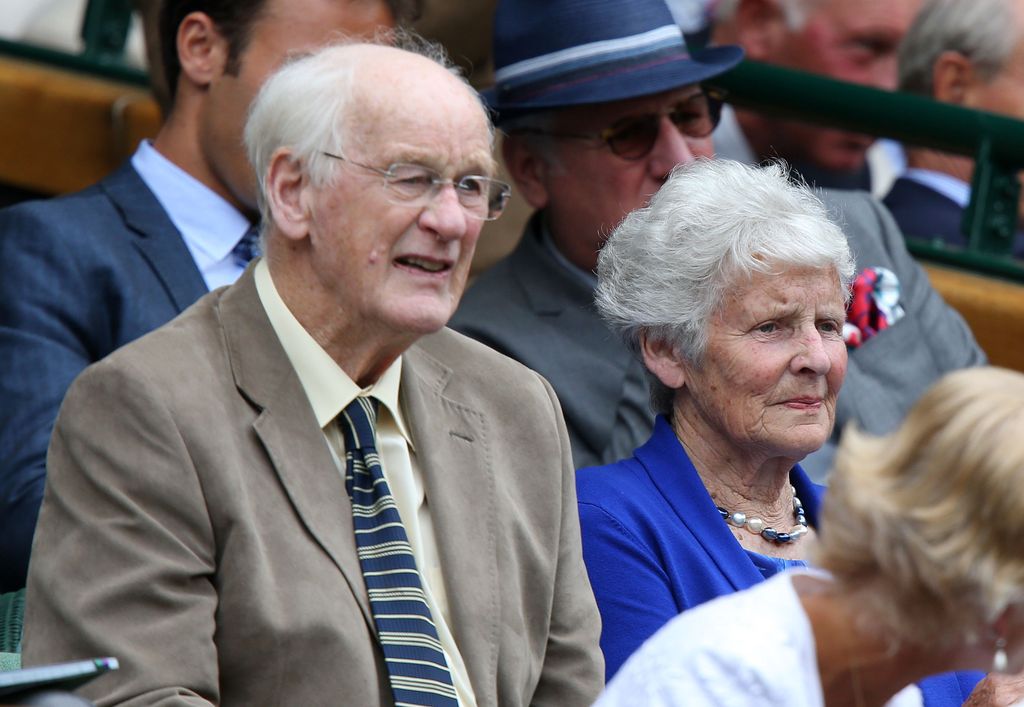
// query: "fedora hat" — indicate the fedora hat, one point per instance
point(560, 53)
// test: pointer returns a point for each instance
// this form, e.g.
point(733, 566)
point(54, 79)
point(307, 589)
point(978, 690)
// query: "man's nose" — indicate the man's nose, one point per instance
point(673, 148)
point(444, 215)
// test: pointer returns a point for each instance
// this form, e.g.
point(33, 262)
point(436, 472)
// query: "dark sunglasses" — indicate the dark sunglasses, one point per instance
point(633, 138)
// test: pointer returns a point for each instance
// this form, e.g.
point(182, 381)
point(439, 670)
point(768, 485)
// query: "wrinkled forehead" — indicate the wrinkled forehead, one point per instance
point(780, 279)
point(892, 15)
point(412, 109)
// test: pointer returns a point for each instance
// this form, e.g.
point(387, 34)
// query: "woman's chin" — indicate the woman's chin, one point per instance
point(802, 440)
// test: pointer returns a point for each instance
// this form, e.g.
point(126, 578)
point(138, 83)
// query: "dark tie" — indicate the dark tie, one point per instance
point(248, 247)
point(417, 668)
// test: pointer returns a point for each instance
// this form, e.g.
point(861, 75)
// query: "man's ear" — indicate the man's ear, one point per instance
point(202, 49)
point(527, 168)
point(953, 78)
point(760, 27)
point(286, 191)
point(662, 360)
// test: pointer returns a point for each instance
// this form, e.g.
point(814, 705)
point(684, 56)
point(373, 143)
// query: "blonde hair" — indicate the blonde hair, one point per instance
point(926, 524)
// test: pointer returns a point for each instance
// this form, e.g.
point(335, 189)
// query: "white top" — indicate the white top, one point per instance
point(754, 647)
point(209, 225)
point(330, 391)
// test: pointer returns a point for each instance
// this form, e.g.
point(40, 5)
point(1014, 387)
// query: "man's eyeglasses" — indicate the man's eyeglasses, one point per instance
point(633, 138)
point(415, 185)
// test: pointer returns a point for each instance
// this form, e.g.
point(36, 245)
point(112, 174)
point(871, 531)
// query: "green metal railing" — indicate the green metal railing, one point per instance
point(995, 142)
point(104, 32)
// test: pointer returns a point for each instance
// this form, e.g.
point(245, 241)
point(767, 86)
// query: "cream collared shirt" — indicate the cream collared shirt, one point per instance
point(330, 391)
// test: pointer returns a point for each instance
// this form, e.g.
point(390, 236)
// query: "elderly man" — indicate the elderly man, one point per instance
point(850, 41)
point(305, 490)
point(969, 54)
point(597, 119)
point(85, 274)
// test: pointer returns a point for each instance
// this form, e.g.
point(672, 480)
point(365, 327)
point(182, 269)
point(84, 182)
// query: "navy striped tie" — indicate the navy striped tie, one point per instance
point(416, 664)
point(248, 246)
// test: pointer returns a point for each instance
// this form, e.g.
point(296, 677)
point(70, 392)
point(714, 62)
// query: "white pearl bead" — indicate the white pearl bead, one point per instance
point(755, 524)
point(738, 519)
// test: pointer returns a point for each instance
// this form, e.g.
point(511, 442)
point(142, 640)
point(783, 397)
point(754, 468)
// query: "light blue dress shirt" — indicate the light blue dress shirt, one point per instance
point(209, 225)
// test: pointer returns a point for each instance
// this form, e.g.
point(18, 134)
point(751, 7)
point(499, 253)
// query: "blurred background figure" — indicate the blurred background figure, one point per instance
point(920, 547)
point(969, 54)
point(849, 41)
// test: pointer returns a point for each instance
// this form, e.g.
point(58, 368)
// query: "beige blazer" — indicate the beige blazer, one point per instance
point(195, 526)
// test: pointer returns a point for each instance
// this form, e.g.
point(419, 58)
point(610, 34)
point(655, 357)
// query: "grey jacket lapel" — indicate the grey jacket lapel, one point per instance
point(157, 239)
point(451, 441)
point(606, 409)
point(548, 288)
point(288, 430)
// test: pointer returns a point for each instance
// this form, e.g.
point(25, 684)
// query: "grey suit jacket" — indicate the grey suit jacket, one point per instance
point(889, 372)
point(527, 307)
point(195, 525)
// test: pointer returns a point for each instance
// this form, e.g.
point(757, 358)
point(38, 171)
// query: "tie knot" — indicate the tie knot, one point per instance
point(359, 422)
point(248, 246)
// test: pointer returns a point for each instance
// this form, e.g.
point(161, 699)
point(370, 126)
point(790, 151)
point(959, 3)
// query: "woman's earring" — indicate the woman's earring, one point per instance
point(999, 661)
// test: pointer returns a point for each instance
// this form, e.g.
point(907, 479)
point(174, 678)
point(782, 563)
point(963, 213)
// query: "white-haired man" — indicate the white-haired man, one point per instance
point(969, 54)
point(305, 490)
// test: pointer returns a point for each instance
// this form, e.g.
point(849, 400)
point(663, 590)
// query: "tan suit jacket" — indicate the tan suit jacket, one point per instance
point(194, 525)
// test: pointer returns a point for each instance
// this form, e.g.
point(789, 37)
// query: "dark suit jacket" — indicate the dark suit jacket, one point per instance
point(924, 213)
point(195, 525)
point(655, 546)
point(81, 275)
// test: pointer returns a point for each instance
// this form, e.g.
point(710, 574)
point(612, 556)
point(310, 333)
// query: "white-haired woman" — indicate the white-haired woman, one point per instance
point(921, 571)
point(732, 286)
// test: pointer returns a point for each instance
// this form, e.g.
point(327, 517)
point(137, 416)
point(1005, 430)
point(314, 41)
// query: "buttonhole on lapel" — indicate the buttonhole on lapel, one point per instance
point(459, 435)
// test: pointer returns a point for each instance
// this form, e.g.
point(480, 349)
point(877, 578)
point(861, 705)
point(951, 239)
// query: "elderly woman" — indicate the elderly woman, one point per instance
point(924, 572)
point(732, 286)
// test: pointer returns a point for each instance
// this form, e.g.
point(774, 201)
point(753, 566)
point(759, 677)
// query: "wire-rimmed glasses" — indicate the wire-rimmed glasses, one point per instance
point(416, 185)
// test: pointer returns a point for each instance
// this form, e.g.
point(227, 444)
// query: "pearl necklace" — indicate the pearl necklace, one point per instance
point(759, 527)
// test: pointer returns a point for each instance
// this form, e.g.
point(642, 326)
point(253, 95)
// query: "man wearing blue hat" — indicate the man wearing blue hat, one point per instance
point(600, 100)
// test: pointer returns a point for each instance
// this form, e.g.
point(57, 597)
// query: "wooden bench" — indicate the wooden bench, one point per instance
point(61, 131)
point(993, 308)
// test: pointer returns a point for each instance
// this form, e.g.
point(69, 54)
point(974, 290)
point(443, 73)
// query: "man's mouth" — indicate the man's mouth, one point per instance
point(425, 264)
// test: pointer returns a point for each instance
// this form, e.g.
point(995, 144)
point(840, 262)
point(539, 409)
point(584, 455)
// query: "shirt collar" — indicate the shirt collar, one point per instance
point(328, 387)
point(209, 225)
point(956, 190)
